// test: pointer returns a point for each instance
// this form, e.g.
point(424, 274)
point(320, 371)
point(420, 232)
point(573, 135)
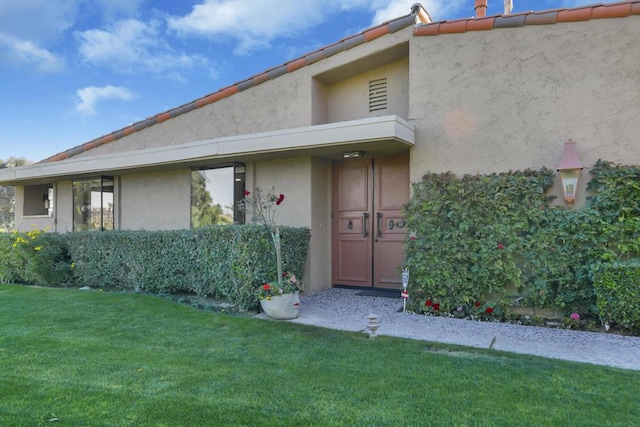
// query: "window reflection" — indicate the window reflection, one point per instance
point(215, 193)
point(93, 204)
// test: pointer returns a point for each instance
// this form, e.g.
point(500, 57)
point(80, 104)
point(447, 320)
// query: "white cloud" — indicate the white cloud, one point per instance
point(23, 52)
point(132, 45)
point(39, 21)
point(91, 95)
point(256, 24)
point(28, 27)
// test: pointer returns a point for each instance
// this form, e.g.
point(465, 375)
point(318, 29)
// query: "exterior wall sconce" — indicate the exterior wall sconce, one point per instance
point(46, 201)
point(354, 155)
point(570, 168)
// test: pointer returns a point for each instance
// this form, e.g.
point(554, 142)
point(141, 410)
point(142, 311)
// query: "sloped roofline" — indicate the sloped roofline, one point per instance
point(554, 16)
point(418, 13)
point(621, 9)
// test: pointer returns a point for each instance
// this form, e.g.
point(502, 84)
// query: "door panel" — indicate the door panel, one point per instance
point(352, 244)
point(391, 184)
point(368, 229)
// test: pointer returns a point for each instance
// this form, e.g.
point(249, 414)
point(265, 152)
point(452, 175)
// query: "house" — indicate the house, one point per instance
point(344, 130)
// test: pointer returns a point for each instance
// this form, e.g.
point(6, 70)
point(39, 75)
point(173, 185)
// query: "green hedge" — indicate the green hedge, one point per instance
point(618, 293)
point(477, 238)
point(223, 261)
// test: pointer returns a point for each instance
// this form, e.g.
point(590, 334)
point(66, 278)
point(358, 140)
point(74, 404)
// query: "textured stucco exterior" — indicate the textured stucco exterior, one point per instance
point(154, 201)
point(493, 101)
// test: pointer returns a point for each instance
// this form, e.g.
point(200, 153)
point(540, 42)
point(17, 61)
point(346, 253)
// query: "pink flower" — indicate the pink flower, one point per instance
point(489, 310)
point(500, 246)
point(575, 316)
point(280, 199)
point(247, 192)
point(436, 306)
point(428, 303)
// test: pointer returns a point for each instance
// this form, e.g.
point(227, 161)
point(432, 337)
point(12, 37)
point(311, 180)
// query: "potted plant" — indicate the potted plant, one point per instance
point(279, 299)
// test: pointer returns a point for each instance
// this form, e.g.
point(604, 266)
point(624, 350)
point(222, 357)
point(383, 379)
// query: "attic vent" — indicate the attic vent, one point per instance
point(378, 95)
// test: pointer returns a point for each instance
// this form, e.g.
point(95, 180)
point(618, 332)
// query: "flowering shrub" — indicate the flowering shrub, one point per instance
point(288, 285)
point(263, 208)
point(43, 258)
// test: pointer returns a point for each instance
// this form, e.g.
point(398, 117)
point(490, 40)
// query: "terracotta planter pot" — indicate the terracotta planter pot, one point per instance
point(282, 307)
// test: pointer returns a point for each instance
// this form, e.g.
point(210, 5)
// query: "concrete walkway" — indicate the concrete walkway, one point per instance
point(344, 310)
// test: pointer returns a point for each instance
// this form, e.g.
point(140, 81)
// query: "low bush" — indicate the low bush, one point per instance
point(36, 258)
point(618, 293)
point(220, 261)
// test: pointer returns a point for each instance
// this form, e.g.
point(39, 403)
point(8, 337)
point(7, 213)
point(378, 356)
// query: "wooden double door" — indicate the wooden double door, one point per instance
point(368, 228)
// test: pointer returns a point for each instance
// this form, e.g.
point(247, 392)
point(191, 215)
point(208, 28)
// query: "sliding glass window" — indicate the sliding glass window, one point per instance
point(93, 204)
point(215, 193)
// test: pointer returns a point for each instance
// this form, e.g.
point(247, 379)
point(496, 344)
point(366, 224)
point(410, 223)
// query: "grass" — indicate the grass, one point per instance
point(71, 358)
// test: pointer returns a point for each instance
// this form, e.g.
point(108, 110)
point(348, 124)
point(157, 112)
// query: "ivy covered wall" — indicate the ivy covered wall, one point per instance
point(483, 243)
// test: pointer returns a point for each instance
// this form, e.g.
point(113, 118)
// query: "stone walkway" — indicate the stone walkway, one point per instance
point(344, 310)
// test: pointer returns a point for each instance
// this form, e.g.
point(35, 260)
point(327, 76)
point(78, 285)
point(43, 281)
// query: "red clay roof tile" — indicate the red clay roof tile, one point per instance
point(427, 30)
point(452, 27)
point(611, 11)
point(575, 15)
point(376, 32)
point(482, 24)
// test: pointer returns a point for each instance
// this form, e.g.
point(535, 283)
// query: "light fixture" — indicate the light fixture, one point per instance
point(45, 200)
point(354, 154)
point(570, 168)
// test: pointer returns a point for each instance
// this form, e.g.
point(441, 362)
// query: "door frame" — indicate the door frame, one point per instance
point(363, 216)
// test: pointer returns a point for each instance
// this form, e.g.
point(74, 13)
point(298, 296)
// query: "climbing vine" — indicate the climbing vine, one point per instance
point(497, 237)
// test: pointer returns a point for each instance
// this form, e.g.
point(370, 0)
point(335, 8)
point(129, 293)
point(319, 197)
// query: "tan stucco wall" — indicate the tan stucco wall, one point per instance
point(63, 208)
point(319, 261)
point(306, 184)
point(155, 201)
point(349, 99)
point(30, 222)
point(508, 99)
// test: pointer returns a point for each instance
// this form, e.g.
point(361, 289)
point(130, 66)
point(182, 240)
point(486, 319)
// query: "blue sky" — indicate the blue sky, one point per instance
point(74, 70)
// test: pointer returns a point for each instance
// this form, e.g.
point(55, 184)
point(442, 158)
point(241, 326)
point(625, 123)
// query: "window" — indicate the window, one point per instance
point(377, 95)
point(93, 204)
point(215, 193)
point(38, 200)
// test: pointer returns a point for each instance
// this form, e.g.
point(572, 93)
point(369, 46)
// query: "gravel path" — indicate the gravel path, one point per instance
point(344, 310)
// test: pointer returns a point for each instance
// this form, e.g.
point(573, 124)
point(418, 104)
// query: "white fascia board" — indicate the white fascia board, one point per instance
point(334, 134)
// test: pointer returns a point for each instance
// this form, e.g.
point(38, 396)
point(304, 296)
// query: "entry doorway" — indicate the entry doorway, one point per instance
point(368, 228)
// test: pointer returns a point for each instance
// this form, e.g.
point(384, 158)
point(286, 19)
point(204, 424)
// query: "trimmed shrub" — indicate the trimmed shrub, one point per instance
point(618, 293)
point(220, 261)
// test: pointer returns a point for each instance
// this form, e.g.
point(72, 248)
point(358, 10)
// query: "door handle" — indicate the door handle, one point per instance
point(365, 217)
point(379, 227)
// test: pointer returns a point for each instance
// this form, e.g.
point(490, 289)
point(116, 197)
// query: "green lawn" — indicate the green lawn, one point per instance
point(70, 357)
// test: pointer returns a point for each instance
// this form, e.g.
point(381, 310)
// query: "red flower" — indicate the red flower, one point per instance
point(247, 192)
point(428, 303)
point(489, 310)
point(477, 304)
point(266, 287)
point(436, 306)
point(500, 246)
point(280, 199)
